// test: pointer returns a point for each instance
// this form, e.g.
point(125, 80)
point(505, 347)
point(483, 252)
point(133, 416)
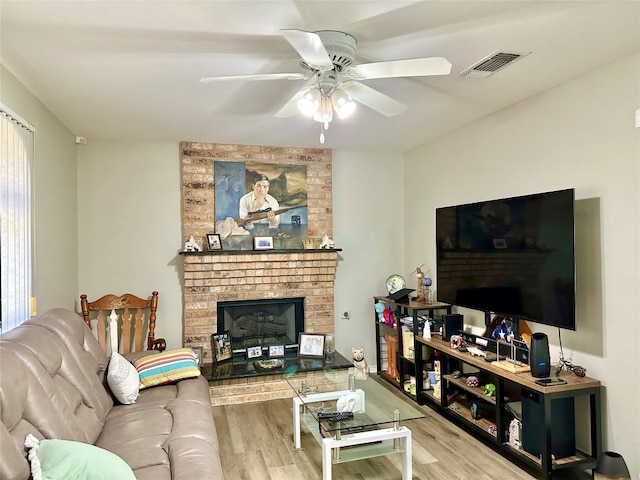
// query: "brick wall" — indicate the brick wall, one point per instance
point(210, 277)
point(198, 202)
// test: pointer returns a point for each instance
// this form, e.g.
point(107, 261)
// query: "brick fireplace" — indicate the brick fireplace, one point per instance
point(210, 277)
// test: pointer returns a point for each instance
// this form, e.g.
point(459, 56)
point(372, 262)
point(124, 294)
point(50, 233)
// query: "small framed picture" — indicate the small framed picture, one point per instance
point(254, 352)
point(263, 243)
point(213, 241)
point(499, 243)
point(311, 345)
point(276, 351)
point(221, 346)
point(199, 353)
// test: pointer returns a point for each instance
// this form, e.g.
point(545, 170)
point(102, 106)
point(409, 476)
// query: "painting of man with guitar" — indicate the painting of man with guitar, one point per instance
point(258, 206)
point(260, 199)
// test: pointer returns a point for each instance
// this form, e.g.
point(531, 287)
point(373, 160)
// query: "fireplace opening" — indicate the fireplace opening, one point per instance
point(263, 322)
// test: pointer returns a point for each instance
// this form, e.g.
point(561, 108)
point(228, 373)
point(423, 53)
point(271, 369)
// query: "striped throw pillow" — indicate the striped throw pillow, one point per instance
point(166, 367)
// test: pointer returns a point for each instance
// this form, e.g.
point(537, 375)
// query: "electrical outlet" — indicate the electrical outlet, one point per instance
point(345, 314)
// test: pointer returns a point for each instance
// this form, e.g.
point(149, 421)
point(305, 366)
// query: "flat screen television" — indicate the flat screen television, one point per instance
point(510, 256)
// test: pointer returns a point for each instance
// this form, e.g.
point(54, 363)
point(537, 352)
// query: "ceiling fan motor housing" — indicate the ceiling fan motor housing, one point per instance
point(340, 46)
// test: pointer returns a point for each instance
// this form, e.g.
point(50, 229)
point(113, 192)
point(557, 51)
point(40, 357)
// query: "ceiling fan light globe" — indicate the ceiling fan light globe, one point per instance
point(342, 103)
point(310, 102)
point(345, 110)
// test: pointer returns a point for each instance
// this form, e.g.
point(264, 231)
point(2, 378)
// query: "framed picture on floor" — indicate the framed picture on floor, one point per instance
point(199, 353)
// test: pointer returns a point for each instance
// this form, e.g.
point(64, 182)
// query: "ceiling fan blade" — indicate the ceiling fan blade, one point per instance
point(414, 67)
point(310, 47)
point(373, 99)
point(260, 76)
point(290, 108)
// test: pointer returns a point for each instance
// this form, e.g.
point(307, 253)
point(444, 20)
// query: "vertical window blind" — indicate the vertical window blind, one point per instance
point(16, 151)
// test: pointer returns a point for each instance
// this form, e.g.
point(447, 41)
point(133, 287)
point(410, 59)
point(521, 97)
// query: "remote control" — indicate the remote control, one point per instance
point(550, 382)
point(335, 416)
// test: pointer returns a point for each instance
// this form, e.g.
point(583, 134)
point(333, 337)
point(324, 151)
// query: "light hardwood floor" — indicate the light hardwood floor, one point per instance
point(256, 442)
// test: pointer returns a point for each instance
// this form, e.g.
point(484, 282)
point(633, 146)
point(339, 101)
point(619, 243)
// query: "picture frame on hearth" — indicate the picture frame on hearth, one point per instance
point(499, 243)
point(276, 351)
point(263, 243)
point(199, 354)
point(214, 242)
point(254, 352)
point(221, 347)
point(311, 345)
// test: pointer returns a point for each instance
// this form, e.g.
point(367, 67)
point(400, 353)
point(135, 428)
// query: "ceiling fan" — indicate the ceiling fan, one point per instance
point(328, 57)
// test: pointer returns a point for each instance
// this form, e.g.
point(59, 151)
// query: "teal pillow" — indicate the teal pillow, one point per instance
point(53, 459)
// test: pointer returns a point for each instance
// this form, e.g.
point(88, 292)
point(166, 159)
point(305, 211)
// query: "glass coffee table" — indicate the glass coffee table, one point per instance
point(353, 417)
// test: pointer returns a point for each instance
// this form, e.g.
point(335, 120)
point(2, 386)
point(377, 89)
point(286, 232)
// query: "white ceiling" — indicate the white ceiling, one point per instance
point(129, 70)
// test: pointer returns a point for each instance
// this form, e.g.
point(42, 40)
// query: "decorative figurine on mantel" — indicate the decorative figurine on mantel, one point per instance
point(192, 245)
point(327, 242)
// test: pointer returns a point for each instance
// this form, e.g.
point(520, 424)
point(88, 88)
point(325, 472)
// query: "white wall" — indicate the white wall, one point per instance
point(55, 240)
point(580, 134)
point(368, 225)
point(129, 226)
point(129, 231)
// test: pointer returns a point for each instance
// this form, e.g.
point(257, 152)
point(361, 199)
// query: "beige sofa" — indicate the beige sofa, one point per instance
point(52, 385)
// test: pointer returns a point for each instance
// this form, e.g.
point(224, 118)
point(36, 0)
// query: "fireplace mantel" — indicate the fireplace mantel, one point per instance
point(262, 252)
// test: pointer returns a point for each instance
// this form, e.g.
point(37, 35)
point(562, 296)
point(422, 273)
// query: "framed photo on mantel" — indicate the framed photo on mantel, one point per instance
point(263, 243)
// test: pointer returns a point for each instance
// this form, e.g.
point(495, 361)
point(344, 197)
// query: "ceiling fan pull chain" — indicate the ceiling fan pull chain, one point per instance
point(322, 133)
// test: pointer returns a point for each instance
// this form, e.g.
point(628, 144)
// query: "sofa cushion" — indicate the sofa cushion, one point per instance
point(57, 392)
point(167, 367)
point(67, 460)
point(123, 379)
point(170, 428)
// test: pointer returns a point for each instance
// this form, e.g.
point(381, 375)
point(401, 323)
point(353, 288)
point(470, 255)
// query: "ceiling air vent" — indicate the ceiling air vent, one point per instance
point(492, 63)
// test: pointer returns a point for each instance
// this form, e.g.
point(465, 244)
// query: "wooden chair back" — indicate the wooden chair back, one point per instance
point(123, 323)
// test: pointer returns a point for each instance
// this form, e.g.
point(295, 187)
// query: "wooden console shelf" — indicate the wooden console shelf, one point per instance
point(458, 401)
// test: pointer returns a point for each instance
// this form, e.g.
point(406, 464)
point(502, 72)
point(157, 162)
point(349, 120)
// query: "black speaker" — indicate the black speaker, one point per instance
point(451, 325)
point(563, 428)
point(539, 359)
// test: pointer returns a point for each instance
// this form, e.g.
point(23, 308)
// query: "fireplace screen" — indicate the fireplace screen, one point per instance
point(273, 321)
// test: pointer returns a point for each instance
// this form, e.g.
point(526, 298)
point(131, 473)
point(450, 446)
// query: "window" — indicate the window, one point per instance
point(16, 152)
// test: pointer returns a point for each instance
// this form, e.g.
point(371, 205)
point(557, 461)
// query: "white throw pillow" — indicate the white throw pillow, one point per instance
point(123, 379)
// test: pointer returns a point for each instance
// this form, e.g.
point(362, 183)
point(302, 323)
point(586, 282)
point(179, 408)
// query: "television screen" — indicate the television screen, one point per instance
point(511, 256)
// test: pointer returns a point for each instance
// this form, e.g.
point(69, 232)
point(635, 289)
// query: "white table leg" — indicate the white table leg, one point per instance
point(296, 421)
point(326, 460)
point(407, 458)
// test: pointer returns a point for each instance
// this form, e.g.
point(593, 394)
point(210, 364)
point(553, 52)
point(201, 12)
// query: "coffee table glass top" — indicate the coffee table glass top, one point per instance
point(373, 405)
